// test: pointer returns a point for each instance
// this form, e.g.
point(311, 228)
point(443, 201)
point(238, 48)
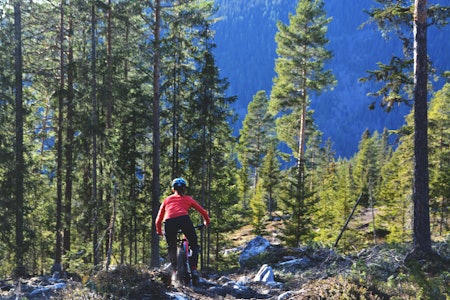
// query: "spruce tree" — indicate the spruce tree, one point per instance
point(439, 139)
point(396, 188)
point(7, 137)
point(270, 176)
point(256, 137)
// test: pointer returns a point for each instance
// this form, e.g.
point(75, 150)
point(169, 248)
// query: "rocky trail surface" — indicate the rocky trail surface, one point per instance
point(264, 270)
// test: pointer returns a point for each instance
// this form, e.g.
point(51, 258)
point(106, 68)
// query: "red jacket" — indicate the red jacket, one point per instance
point(177, 206)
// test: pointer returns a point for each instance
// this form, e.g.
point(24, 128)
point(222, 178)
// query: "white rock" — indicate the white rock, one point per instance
point(265, 274)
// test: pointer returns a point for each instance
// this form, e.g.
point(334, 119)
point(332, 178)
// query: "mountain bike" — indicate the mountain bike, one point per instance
point(184, 272)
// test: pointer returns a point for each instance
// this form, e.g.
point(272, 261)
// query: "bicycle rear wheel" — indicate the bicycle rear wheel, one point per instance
point(183, 275)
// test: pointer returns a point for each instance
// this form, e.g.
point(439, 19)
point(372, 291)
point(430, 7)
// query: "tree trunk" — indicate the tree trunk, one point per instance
point(111, 227)
point(421, 223)
point(19, 163)
point(94, 141)
point(69, 144)
point(109, 96)
point(59, 149)
point(154, 262)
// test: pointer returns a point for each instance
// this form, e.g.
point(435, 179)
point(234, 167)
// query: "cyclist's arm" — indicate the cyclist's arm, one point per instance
point(159, 219)
point(202, 211)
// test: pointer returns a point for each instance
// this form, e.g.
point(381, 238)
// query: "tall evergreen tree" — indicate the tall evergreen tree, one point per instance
point(69, 143)
point(57, 267)
point(421, 219)
point(301, 75)
point(7, 137)
point(156, 156)
point(212, 120)
point(301, 70)
point(94, 132)
point(412, 30)
point(19, 147)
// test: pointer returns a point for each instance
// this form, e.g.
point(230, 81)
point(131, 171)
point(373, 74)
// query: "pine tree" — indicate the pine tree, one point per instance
point(19, 147)
point(300, 68)
point(421, 219)
point(403, 76)
point(301, 74)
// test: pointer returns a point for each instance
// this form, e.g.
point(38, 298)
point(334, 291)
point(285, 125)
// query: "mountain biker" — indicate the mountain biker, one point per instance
point(174, 212)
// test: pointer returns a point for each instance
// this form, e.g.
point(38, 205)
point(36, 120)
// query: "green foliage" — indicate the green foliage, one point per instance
point(235, 182)
point(439, 158)
point(259, 210)
point(124, 139)
point(257, 137)
point(301, 72)
point(299, 206)
point(270, 177)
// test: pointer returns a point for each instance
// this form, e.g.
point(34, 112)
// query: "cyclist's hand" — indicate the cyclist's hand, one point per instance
point(159, 233)
point(206, 222)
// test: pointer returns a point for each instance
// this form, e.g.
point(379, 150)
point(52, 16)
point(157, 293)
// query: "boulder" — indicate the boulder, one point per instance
point(265, 274)
point(255, 247)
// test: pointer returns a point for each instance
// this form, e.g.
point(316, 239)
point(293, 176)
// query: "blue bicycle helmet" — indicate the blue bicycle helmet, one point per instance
point(178, 183)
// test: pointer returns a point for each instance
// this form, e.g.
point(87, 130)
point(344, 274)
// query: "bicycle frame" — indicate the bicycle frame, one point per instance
point(184, 274)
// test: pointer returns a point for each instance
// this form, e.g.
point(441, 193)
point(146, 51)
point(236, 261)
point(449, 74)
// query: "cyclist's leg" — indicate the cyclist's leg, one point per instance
point(191, 235)
point(170, 230)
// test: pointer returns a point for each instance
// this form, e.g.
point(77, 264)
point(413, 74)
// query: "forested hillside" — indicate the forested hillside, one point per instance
point(245, 53)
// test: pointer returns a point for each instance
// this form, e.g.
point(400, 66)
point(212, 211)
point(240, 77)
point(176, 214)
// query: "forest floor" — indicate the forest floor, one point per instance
point(378, 272)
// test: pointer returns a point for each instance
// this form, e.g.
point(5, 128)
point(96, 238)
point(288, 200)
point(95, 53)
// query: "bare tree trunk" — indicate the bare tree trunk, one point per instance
point(57, 267)
point(94, 141)
point(154, 261)
point(421, 223)
point(69, 144)
point(19, 163)
point(109, 100)
point(111, 228)
point(109, 108)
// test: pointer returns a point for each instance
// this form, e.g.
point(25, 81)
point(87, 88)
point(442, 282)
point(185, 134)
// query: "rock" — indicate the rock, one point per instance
point(223, 280)
point(243, 280)
point(42, 291)
point(286, 295)
point(227, 252)
point(265, 274)
point(177, 296)
point(255, 247)
point(298, 263)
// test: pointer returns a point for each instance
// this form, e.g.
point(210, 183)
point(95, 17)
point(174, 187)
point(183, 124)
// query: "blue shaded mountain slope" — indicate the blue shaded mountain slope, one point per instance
point(246, 52)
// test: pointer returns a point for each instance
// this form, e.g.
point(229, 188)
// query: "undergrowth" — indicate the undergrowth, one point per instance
point(379, 272)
